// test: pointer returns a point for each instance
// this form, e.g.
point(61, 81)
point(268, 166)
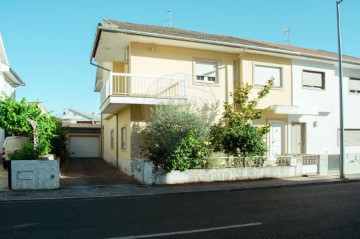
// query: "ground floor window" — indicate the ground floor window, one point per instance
point(123, 138)
point(112, 139)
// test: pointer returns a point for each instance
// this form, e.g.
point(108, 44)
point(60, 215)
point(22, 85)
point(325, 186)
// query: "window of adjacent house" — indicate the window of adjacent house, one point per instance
point(313, 79)
point(123, 138)
point(264, 73)
point(354, 86)
point(206, 71)
point(351, 137)
point(112, 139)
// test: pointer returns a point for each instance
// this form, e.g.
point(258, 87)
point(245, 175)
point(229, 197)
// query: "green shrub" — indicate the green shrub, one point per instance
point(27, 152)
point(15, 118)
point(244, 139)
point(235, 135)
point(176, 136)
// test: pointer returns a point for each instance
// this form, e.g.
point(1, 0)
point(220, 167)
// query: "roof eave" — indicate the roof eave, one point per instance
point(14, 77)
point(222, 43)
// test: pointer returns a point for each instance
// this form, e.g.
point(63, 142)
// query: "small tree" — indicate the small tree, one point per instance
point(15, 116)
point(235, 134)
point(176, 135)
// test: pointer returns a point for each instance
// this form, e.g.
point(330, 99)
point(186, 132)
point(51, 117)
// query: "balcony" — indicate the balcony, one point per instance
point(126, 89)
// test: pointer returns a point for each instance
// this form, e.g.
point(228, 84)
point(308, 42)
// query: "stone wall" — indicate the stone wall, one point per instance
point(35, 174)
point(143, 172)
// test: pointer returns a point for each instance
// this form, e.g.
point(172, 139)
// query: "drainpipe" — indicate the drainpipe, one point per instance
point(237, 59)
point(235, 71)
point(91, 63)
point(117, 141)
point(102, 137)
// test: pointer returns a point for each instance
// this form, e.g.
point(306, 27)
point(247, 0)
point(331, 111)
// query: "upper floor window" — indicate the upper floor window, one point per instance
point(206, 71)
point(264, 73)
point(313, 79)
point(354, 86)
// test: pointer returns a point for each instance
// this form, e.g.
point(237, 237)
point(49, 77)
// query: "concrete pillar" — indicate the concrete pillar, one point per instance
point(323, 164)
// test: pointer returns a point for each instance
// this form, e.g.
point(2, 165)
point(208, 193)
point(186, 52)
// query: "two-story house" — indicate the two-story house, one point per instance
point(9, 80)
point(139, 66)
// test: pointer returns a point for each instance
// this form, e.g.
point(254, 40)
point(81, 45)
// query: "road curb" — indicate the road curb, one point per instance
point(152, 192)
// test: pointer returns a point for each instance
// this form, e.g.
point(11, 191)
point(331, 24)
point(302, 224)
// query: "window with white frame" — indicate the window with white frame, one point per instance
point(313, 79)
point(123, 138)
point(351, 137)
point(263, 73)
point(206, 71)
point(354, 86)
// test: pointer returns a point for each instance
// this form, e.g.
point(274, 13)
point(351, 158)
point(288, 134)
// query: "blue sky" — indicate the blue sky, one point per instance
point(48, 42)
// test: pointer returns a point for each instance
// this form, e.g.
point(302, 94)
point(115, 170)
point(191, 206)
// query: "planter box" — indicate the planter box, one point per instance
point(35, 174)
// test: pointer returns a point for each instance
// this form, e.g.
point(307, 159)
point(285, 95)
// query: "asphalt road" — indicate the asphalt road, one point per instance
point(322, 211)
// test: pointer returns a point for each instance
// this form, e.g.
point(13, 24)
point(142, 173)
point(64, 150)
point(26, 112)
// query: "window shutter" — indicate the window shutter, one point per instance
point(354, 84)
point(313, 79)
point(206, 69)
point(264, 73)
point(352, 137)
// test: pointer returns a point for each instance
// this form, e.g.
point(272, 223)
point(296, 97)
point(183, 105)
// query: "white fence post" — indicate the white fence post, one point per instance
point(323, 165)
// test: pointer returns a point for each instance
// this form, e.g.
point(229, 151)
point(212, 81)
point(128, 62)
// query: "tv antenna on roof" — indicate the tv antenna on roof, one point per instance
point(287, 32)
point(169, 21)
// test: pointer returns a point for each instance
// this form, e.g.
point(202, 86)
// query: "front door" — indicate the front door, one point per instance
point(275, 139)
point(298, 138)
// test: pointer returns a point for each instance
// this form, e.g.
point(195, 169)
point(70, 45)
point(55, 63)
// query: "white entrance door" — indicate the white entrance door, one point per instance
point(275, 139)
point(298, 138)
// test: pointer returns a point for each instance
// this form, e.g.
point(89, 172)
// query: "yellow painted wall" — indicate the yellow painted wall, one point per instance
point(157, 60)
point(138, 115)
point(109, 153)
point(118, 67)
point(277, 96)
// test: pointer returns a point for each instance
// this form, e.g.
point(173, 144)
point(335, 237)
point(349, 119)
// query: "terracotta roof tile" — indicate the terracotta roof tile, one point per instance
point(215, 38)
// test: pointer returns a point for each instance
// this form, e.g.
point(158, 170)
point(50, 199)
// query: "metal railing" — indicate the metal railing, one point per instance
point(129, 85)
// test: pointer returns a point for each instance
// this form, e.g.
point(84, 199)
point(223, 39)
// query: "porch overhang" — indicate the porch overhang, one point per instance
point(297, 110)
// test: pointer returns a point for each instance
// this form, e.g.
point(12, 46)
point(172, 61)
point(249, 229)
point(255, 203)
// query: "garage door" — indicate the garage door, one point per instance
point(84, 146)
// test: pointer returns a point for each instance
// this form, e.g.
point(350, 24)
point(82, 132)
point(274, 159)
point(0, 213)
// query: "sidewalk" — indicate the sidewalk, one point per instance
point(135, 189)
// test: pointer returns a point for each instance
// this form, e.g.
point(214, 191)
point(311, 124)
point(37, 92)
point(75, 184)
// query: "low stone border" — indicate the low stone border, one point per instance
point(35, 174)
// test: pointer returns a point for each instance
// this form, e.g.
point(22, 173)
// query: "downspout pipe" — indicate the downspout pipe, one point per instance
point(91, 63)
point(117, 141)
point(95, 46)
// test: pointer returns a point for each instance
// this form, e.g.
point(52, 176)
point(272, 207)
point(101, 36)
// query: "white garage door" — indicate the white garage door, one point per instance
point(84, 146)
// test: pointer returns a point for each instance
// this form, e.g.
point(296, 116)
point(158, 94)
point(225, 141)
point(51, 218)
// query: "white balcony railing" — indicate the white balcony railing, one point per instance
point(128, 85)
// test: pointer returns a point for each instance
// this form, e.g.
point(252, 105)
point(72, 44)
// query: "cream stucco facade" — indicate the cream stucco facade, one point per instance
point(137, 70)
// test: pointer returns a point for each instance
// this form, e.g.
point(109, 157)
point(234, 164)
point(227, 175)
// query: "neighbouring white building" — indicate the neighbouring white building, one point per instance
point(314, 128)
point(9, 80)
